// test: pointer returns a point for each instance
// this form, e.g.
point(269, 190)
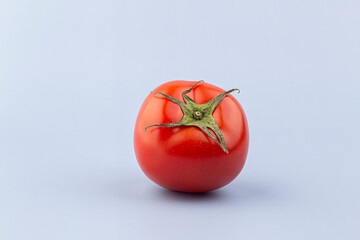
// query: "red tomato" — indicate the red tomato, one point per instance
point(185, 158)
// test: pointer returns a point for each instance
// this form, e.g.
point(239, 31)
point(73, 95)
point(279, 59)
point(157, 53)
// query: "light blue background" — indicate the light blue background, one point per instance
point(73, 75)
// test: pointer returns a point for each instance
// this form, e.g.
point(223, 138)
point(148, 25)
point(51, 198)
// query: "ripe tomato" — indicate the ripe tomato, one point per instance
point(187, 156)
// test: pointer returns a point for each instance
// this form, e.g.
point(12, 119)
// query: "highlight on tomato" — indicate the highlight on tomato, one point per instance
point(191, 136)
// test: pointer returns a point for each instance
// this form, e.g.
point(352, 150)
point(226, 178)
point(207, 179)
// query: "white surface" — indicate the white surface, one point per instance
point(73, 75)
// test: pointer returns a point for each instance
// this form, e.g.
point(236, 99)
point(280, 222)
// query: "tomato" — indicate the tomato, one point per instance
point(182, 147)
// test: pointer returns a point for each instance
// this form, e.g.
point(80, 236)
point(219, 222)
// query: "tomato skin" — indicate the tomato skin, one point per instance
point(184, 158)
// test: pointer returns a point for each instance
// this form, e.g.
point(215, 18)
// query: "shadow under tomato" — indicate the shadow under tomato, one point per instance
point(189, 197)
point(235, 193)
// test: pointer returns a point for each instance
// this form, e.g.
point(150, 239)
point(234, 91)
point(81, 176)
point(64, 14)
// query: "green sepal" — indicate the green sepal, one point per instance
point(203, 120)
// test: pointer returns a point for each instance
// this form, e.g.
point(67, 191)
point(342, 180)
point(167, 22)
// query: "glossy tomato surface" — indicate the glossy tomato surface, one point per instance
point(184, 158)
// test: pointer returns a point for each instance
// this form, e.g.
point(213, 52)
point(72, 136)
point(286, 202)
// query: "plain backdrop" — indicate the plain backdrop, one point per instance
point(73, 75)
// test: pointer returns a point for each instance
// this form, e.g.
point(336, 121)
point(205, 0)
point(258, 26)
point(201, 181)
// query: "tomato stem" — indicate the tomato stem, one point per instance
point(199, 115)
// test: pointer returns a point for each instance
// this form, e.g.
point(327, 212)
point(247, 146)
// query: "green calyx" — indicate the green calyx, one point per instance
point(198, 115)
